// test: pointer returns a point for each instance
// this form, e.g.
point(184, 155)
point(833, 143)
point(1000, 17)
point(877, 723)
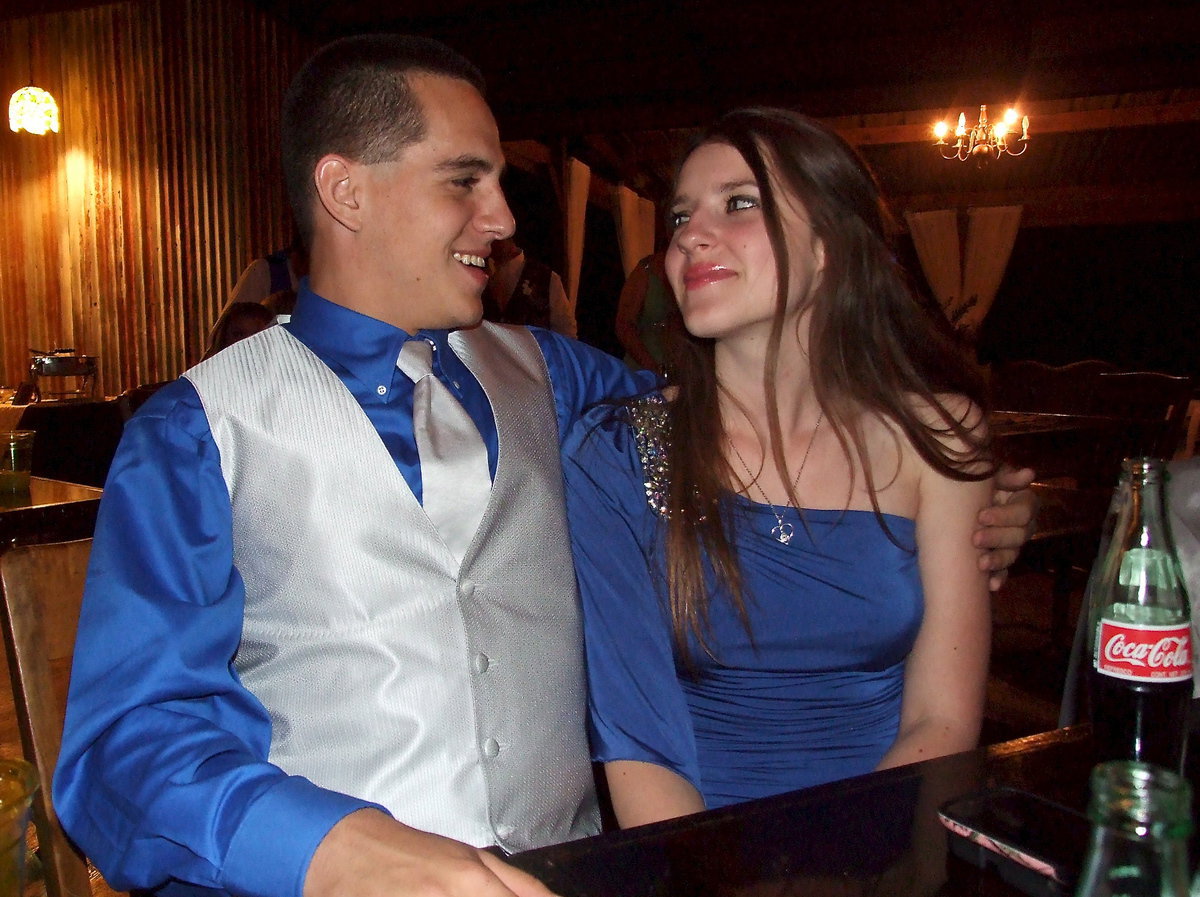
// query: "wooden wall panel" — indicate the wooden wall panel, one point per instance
point(122, 234)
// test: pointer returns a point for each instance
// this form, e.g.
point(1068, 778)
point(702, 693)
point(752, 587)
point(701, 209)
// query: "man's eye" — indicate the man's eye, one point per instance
point(677, 219)
point(739, 203)
point(466, 183)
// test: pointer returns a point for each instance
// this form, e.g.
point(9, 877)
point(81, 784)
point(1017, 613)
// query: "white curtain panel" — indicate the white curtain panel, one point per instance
point(578, 178)
point(635, 226)
point(935, 235)
point(991, 232)
point(965, 282)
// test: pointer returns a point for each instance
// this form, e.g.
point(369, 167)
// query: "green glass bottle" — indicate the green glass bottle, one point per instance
point(1141, 818)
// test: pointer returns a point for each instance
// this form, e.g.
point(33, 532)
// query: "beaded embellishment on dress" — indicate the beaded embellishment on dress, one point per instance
point(650, 421)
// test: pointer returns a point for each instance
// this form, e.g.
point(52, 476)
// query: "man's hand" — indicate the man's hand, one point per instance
point(369, 854)
point(1007, 523)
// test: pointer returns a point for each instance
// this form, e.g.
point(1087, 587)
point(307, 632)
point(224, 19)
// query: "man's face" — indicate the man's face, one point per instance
point(431, 215)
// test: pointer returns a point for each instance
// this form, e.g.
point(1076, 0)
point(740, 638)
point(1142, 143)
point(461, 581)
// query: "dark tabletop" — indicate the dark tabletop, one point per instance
point(873, 835)
point(51, 511)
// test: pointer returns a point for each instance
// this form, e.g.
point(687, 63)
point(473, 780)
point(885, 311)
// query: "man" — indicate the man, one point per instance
point(522, 290)
point(288, 678)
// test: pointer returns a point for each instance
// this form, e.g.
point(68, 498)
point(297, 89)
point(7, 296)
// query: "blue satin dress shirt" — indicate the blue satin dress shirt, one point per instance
point(163, 778)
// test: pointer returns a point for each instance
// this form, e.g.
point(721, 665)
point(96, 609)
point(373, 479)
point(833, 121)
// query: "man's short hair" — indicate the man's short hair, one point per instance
point(353, 98)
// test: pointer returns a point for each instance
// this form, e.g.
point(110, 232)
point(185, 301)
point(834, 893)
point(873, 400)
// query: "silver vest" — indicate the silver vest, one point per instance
point(452, 696)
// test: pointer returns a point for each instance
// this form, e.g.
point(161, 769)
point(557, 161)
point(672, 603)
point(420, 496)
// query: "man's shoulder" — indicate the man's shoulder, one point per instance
point(246, 358)
point(174, 414)
point(169, 399)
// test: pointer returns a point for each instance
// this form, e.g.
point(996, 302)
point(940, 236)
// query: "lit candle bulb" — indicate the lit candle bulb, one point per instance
point(1025, 128)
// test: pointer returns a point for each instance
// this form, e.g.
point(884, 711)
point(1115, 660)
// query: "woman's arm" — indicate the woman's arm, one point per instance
point(639, 721)
point(644, 792)
point(946, 674)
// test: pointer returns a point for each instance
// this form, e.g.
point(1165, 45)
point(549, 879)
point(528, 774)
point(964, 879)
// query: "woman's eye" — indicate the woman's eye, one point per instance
point(739, 203)
point(677, 219)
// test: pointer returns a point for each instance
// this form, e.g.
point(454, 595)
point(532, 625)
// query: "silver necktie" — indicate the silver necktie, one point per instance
point(455, 480)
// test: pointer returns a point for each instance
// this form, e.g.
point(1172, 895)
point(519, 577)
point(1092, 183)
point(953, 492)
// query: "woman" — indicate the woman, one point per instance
point(738, 647)
point(642, 311)
point(238, 321)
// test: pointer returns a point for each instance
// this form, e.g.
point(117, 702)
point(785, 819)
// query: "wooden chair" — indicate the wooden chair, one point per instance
point(1035, 386)
point(1157, 402)
point(133, 398)
point(75, 441)
point(43, 588)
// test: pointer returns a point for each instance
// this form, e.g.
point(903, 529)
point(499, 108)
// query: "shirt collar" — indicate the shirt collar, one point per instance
point(365, 347)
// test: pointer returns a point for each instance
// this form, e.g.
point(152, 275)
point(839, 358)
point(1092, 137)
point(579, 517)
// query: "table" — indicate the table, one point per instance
point(876, 834)
point(51, 511)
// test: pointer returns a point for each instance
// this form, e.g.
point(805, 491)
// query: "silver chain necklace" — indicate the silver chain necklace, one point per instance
point(782, 531)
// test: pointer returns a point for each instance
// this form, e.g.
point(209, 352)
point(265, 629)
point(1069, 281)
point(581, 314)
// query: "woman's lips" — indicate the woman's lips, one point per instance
point(702, 275)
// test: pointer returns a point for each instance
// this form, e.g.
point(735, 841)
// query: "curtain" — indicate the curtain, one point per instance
point(935, 236)
point(965, 282)
point(991, 233)
point(635, 226)
point(577, 177)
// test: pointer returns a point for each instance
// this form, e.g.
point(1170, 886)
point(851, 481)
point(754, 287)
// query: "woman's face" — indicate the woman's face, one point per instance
point(720, 262)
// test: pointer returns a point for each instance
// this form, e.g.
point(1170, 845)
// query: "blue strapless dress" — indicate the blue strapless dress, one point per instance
point(811, 695)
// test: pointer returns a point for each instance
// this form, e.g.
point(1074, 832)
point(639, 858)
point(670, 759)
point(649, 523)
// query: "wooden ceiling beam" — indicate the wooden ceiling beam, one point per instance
point(1074, 205)
point(917, 126)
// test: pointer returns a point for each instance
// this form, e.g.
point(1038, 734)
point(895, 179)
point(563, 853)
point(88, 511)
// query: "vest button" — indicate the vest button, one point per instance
point(381, 389)
point(491, 748)
point(466, 589)
point(482, 662)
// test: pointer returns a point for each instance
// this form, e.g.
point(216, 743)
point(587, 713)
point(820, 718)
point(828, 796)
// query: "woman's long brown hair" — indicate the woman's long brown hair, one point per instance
point(873, 348)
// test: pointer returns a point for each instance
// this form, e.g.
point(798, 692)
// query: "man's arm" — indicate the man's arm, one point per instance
point(583, 376)
point(163, 771)
point(370, 854)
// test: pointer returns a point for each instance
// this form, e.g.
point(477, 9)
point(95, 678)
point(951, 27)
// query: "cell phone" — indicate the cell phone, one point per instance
point(1036, 845)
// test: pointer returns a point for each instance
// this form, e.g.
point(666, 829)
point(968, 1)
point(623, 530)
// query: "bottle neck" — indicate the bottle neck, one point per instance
point(1141, 802)
point(1138, 565)
point(1141, 818)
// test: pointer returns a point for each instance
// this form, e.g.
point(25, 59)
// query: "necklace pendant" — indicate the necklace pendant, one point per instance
point(783, 532)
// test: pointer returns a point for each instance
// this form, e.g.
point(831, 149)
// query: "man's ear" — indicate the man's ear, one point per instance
point(339, 187)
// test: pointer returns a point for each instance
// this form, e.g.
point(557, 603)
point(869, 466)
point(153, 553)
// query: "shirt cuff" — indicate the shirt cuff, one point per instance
point(272, 848)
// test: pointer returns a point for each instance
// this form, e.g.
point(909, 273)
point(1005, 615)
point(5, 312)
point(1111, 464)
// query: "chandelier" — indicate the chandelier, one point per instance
point(984, 141)
point(34, 110)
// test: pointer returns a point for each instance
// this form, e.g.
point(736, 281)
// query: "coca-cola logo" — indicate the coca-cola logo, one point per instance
point(1171, 651)
point(1139, 652)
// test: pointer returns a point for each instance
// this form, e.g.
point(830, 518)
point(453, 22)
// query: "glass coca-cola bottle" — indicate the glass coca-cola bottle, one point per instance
point(1141, 817)
point(1140, 682)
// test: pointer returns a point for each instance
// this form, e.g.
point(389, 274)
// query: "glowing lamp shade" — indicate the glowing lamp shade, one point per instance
point(34, 110)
